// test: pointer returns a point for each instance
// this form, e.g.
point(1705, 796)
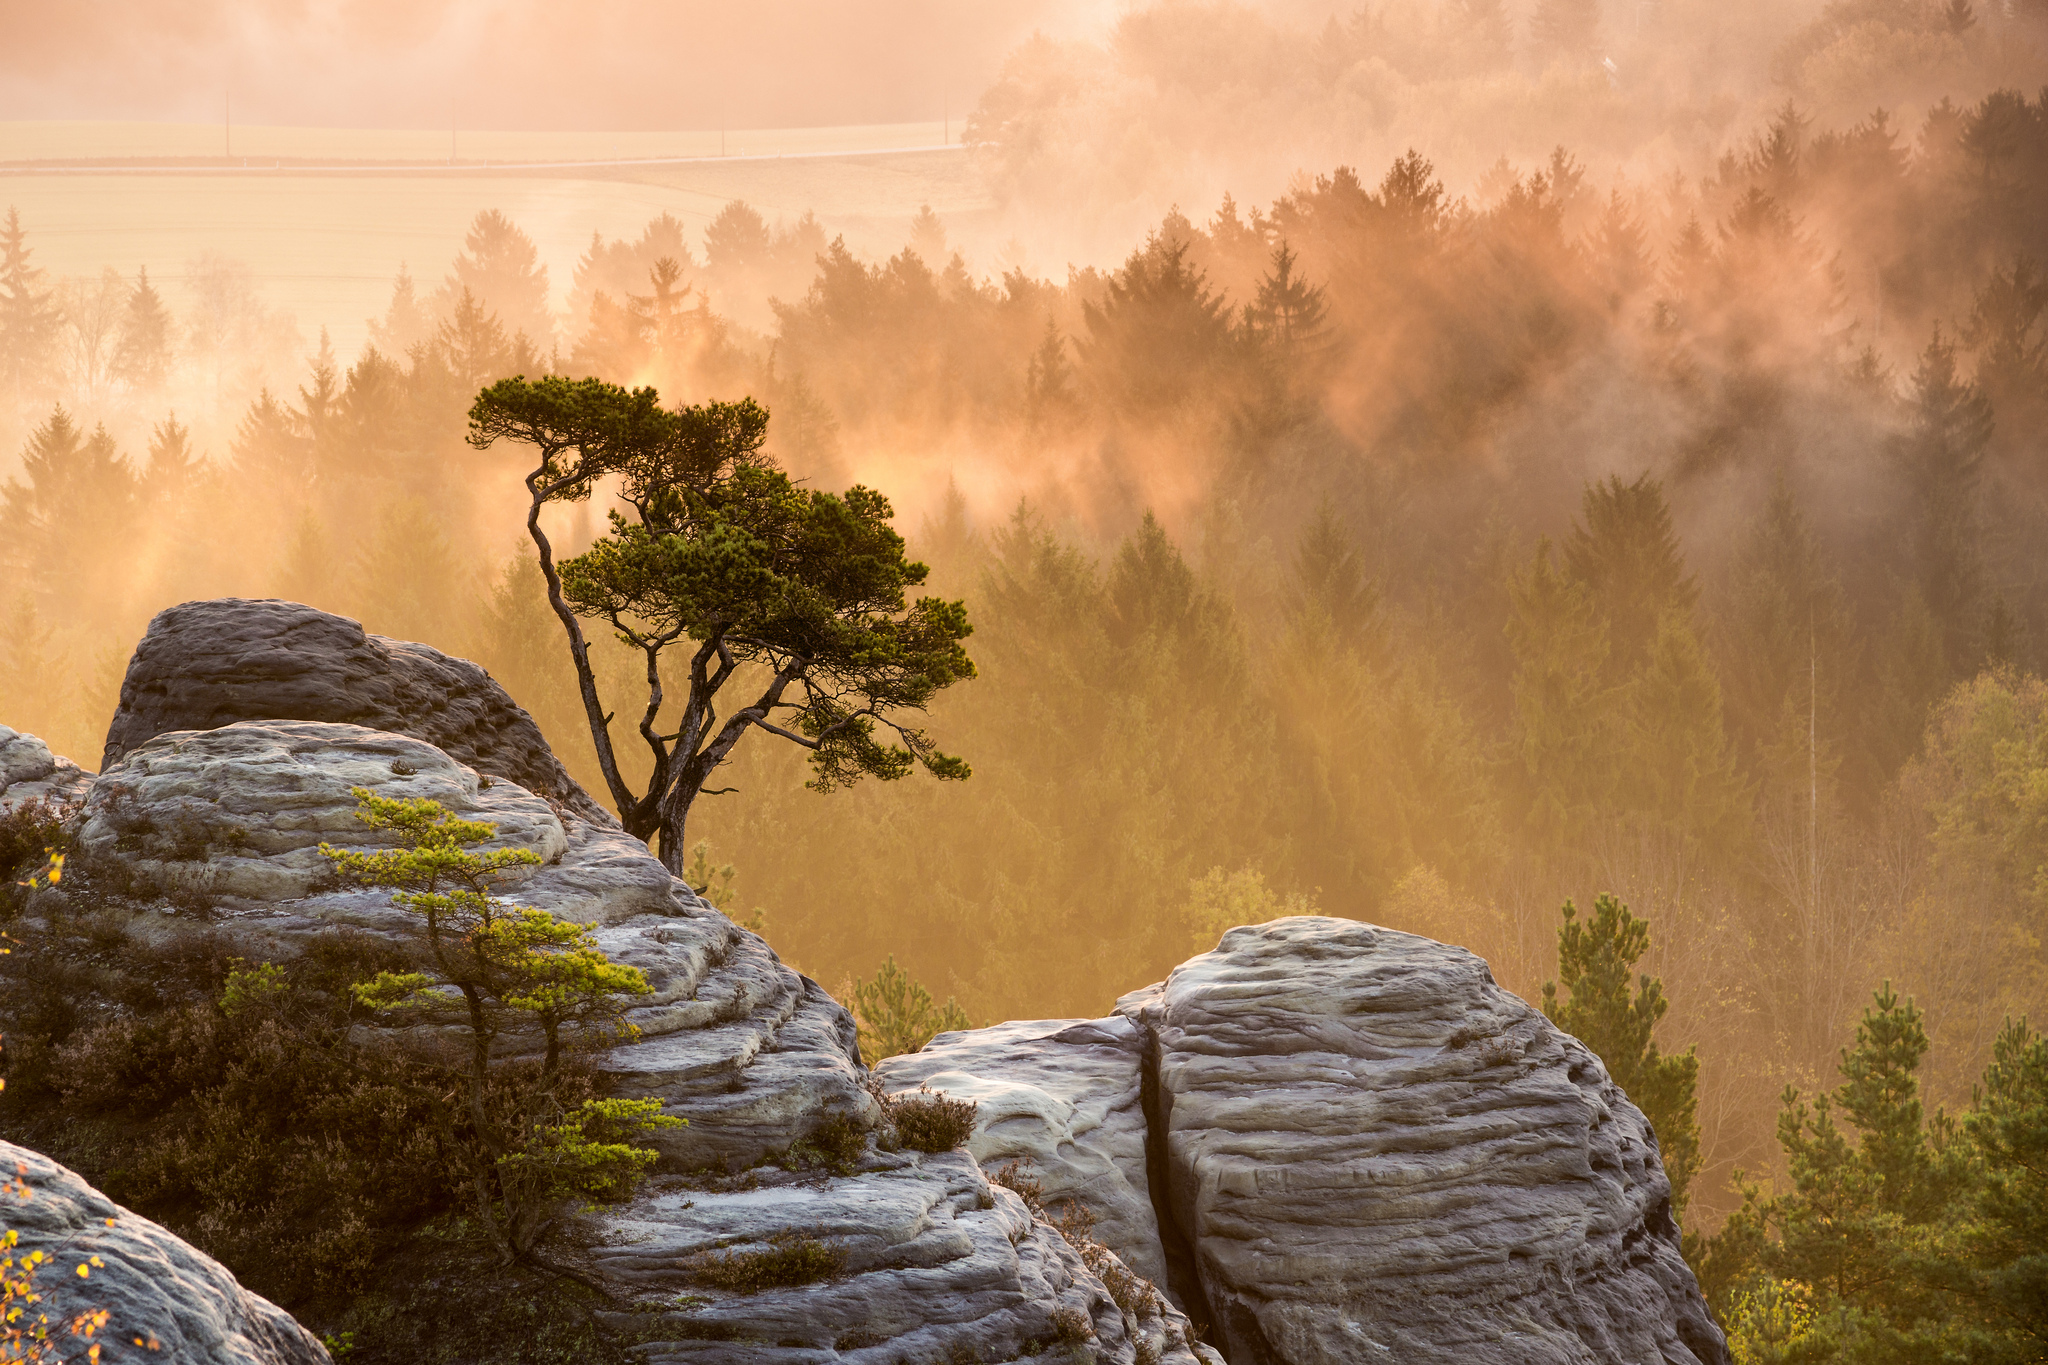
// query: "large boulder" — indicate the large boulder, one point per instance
point(1376, 1153)
point(165, 1301)
point(229, 821)
point(203, 665)
point(30, 772)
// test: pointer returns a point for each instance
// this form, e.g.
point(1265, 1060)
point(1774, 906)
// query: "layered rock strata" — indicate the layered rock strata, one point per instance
point(1378, 1154)
point(202, 665)
point(164, 1300)
point(229, 823)
point(934, 1263)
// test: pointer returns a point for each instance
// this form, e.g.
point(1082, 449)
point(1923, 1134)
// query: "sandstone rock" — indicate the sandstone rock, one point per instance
point(1064, 1094)
point(225, 824)
point(241, 811)
point(203, 665)
point(153, 1286)
point(230, 820)
point(30, 772)
point(1378, 1154)
point(936, 1264)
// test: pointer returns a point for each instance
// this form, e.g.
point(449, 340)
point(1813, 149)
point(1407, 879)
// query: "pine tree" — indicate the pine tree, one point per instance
point(898, 1015)
point(143, 358)
point(506, 964)
point(2006, 1240)
point(1842, 1227)
point(1619, 1023)
point(29, 316)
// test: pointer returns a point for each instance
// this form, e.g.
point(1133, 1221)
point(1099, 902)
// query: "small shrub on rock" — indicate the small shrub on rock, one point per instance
point(1071, 1326)
point(31, 834)
point(792, 1258)
point(929, 1121)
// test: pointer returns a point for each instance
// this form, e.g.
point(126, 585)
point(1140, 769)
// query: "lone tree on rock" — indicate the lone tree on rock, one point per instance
point(798, 595)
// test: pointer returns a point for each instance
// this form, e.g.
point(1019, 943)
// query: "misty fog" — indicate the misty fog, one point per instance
point(1419, 462)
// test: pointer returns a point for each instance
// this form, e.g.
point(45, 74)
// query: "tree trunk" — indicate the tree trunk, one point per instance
point(674, 813)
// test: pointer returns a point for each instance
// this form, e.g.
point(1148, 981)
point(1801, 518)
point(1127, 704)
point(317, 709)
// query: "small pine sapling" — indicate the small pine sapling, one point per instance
point(493, 963)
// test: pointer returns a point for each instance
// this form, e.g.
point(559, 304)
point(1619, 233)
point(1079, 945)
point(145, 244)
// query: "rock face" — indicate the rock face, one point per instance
point(938, 1264)
point(1065, 1095)
point(225, 825)
point(30, 772)
point(229, 822)
point(152, 1286)
point(203, 665)
point(1376, 1153)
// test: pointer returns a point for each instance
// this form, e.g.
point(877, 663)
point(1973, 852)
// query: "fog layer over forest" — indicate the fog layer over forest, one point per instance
point(1594, 450)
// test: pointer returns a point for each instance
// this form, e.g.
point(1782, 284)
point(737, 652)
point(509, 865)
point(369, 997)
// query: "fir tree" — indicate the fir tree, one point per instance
point(1565, 28)
point(1941, 455)
point(1288, 312)
point(1050, 402)
point(1679, 766)
point(474, 346)
point(1627, 555)
point(405, 323)
point(500, 269)
point(1159, 332)
point(71, 516)
point(1565, 736)
point(143, 358)
point(173, 466)
point(1618, 1022)
point(29, 316)
point(928, 236)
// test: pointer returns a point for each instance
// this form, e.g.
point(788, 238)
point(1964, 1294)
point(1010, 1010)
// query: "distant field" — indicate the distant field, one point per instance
point(325, 247)
point(46, 142)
